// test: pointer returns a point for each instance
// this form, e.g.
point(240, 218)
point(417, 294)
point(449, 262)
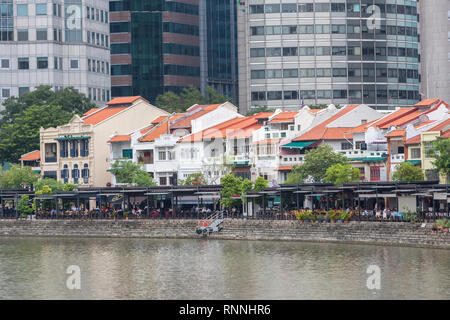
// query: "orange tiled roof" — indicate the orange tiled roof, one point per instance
point(284, 117)
point(124, 100)
point(387, 121)
point(315, 110)
point(159, 119)
point(427, 102)
point(120, 138)
point(322, 132)
point(363, 127)
point(102, 115)
point(284, 168)
point(158, 129)
point(185, 121)
point(31, 156)
point(441, 126)
point(91, 111)
point(396, 133)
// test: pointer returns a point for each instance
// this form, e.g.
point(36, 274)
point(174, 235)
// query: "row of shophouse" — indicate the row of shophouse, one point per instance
point(216, 140)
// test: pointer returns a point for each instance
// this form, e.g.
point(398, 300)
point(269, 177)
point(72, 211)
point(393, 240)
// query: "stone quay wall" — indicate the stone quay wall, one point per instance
point(382, 233)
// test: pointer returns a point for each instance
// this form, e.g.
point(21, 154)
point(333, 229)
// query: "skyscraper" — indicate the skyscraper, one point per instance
point(155, 47)
point(435, 48)
point(218, 38)
point(342, 52)
point(60, 43)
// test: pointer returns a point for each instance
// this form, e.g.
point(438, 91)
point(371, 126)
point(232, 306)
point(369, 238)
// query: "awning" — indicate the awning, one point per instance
point(297, 145)
point(73, 138)
point(366, 159)
point(414, 162)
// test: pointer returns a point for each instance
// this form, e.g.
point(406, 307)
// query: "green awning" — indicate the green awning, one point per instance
point(366, 159)
point(37, 171)
point(414, 162)
point(241, 163)
point(72, 138)
point(297, 145)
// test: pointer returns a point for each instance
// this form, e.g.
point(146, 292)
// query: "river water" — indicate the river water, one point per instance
point(35, 268)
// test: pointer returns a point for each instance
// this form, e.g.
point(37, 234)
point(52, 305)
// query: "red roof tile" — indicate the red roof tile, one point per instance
point(185, 120)
point(284, 117)
point(102, 115)
point(284, 168)
point(91, 111)
point(322, 132)
point(124, 100)
point(427, 102)
point(396, 133)
point(444, 125)
point(122, 138)
point(31, 156)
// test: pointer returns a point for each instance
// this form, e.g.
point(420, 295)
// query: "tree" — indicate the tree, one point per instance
point(173, 102)
point(194, 179)
point(339, 174)
point(442, 156)
point(131, 174)
point(257, 109)
point(406, 171)
point(317, 161)
point(50, 186)
point(22, 135)
point(260, 184)
point(69, 99)
point(23, 205)
point(295, 176)
point(17, 177)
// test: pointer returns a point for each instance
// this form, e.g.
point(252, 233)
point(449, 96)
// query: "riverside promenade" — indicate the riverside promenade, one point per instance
point(379, 233)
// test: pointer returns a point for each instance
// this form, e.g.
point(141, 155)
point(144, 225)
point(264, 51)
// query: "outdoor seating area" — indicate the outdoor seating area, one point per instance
point(389, 202)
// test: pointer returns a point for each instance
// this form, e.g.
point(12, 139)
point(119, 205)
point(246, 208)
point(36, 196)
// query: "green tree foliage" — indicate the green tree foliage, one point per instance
point(237, 186)
point(194, 179)
point(50, 186)
point(22, 135)
point(260, 184)
point(23, 205)
point(68, 99)
point(17, 177)
point(406, 171)
point(258, 110)
point(442, 156)
point(317, 162)
point(339, 174)
point(173, 102)
point(295, 176)
point(131, 174)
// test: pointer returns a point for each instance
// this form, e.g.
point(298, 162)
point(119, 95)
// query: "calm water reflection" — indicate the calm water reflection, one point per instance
point(35, 268)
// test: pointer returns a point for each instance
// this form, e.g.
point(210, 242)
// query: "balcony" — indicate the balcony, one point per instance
point(364, 155)
point(397, 158)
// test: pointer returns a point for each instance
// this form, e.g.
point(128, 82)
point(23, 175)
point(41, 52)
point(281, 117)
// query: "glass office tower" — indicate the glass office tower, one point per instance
point(155, 47)
point(320, 52)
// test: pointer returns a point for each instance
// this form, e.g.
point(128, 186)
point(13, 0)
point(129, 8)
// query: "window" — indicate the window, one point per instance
point(273, 52)
point(255, 9)
point(257, 52)
point(84, 148)
point(274, 95)
point(374, 173)
point(415, 153)
point(324, 94)
point(22, 10)
point(274, 74)
point(162, 181)
point(346, 146)
point(307, 73)
point(290, 73)
point(41, 9)
point(323, 72)
point(273, 30)
point(272, 8)
point(65, 173)
point(23, 90)
point(289, 7)
point(5, 63)
point(306, 51)
point(290, 51)
point(22, 35)
point(306, 7)
point(6, 93)
point(23, 63)
point(42, 62)
point(73, 64)
point(41, 34)
point(255, 74)
point(290, 95)
point(75, 173)
point(429, 150)
point(85, 173)
point(162, 155)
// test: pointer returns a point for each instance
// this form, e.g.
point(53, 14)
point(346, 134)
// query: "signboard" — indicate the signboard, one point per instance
point(73, 20)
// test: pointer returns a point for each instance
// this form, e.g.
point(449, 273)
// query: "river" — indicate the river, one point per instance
point(35, 268)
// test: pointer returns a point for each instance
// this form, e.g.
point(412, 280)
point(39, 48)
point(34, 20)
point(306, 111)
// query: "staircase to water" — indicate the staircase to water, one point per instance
point(211, 224)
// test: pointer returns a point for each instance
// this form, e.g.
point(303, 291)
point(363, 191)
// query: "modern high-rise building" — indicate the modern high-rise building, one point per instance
point(61, 43)
point(218, 46)
point(315, 52)
point(155, 47)
point(435, 48)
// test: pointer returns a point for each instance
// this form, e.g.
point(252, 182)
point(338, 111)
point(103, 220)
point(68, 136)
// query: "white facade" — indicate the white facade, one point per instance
point(63, 43)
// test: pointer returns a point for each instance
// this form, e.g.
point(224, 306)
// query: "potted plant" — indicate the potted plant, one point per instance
point(346, 216)
point(126, 213)
point(333, 216)
point(443, 224)
point(114, 213)
point(301, 216)
point(312, 217)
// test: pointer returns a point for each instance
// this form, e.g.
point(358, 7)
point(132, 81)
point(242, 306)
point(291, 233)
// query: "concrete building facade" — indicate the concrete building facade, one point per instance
point(299, 52)
point(61, 43)
point(435, 48)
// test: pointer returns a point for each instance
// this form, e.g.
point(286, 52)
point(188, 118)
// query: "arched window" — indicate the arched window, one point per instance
point(85, 173)
point(65, 173)
point(75, 173)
